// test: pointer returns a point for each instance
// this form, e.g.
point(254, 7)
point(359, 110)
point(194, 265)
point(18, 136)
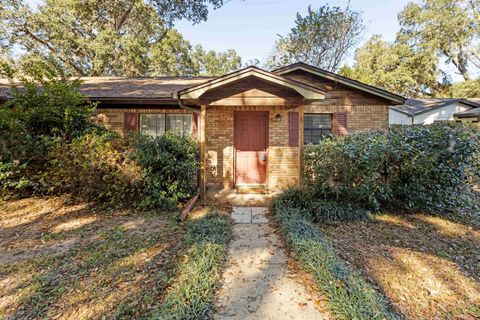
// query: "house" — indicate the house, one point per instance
point(428, 111)
point(251, 124)
point(469, 117)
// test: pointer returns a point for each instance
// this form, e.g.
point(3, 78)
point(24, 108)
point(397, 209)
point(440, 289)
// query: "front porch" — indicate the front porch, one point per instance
point(250, 130)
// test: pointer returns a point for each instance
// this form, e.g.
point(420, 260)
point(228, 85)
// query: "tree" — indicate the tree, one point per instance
point(96, 37)
point(448, 27)
point(215, 63)
point(434, 34)
point(322, 38)
point(466, 89)
point(397, 68)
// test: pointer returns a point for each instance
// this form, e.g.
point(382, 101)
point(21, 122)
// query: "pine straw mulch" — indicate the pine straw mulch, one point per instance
point(429, 267)
point(76, 261)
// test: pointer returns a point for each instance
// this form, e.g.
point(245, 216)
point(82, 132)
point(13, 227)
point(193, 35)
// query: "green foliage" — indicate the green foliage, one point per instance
point(434, 34)
point(319, 209)
point(322, 38)
point(466, 89)
point(211, 63)
point(169, 165)
point(51, 108)
point(105, 38)
point(93, 167)
point(48, 145)
point(349, 295)
point(447, 27)
point(175, 56)
point(193, 294)
point(39, 114)
point(423, 167)
point(395, 67)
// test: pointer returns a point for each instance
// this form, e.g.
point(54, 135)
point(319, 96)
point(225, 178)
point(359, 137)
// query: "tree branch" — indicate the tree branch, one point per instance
point(25, 29)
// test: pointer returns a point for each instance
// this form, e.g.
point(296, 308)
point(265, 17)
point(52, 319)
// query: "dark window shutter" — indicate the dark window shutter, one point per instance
point(293, 129)
point(340, 123)
point(195, 125)
point(130, 121)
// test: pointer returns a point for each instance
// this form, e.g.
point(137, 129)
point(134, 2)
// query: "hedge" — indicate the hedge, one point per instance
point(430, 168)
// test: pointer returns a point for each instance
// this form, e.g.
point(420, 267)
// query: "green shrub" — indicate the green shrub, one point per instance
point(49, 145)
point(93, 167)
point(349, 295)
point(169, 166)
point(52, 107)
point(41, 113)
point(421, 167)
point(193, 294)
point(317, 209)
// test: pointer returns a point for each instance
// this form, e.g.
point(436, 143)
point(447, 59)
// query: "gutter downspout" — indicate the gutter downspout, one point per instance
point(181, 105)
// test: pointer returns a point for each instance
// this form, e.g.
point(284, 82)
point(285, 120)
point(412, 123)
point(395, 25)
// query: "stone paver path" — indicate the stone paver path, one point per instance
point(257, 283)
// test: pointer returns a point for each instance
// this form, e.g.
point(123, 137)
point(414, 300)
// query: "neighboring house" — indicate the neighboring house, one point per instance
point(428, 111)
point(251, 124)
point(470, 117)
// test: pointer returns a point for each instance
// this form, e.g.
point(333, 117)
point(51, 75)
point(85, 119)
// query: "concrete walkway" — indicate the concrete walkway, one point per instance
point(257, 283)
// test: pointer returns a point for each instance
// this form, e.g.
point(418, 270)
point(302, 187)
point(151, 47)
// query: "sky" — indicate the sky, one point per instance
point(252, 26)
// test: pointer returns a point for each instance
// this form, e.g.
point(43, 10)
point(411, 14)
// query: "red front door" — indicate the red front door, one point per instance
point(251, 143)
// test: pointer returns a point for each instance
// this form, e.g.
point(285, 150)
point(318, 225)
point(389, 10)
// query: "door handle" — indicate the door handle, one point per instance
point(264, 156)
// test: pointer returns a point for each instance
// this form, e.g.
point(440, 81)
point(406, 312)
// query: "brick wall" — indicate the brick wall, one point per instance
point(359, 118)
point(283, 161)
point(113, 118)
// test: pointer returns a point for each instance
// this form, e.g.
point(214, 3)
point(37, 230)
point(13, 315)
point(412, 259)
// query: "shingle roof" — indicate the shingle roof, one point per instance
point(414, 107)
point(116, 87)
point(468, 113)
point(127, 88)
point(395, 98)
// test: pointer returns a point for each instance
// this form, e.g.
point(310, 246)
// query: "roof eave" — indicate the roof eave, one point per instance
point(335, 77)
point(310, 93)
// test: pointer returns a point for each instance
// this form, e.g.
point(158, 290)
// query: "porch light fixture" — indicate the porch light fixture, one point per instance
point(278, 117)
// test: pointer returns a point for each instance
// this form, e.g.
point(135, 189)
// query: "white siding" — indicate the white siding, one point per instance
point(441, 114)
point(395, 117)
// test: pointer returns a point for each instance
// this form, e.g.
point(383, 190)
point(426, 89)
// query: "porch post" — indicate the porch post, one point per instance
point(203, 149)
point(301, 111)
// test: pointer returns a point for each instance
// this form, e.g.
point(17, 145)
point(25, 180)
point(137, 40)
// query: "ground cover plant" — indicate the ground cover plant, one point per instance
point(192, 295)
point(349, 295)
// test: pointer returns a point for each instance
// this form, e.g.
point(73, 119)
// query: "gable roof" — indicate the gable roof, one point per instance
point(341, 79)
point(468, 113)
point(413, 107)
point(307, 91)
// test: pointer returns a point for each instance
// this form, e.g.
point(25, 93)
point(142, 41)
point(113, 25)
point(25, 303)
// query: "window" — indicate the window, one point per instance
point(157, 124)
point(316, 126)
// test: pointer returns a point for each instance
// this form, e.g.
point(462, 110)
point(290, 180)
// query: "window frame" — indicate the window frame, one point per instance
point(160, 130)
point(321, 132)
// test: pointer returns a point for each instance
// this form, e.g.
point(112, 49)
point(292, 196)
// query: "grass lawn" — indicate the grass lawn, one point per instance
point(77, 262)
point(428, 267)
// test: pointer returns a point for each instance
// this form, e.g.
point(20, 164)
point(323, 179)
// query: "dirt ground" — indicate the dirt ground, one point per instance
point(65, 261)
point(429, 267)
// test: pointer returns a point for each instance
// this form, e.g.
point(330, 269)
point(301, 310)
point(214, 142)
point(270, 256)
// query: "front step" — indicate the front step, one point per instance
point(252, 188)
